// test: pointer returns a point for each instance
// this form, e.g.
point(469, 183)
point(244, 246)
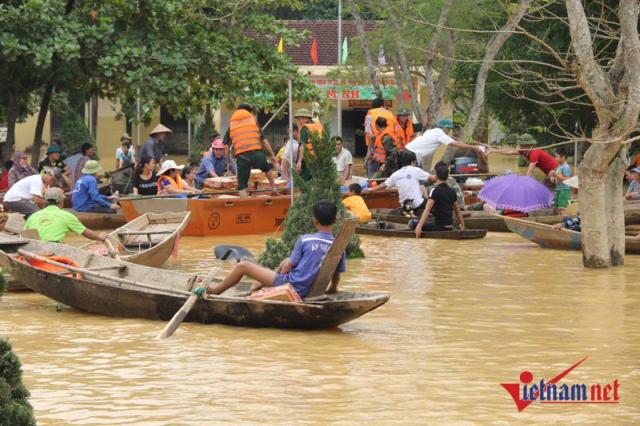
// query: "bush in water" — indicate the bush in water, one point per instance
point(323, 186)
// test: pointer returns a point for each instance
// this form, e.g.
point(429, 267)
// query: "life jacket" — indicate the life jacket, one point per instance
point(177, 183)
point(244, 132)
point(40, 264)
point(406, 134)
point(379, 153)
point(312, 127)
point(374, 113)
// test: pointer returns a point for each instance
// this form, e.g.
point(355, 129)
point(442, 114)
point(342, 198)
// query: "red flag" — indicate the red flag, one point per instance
point(314, 51)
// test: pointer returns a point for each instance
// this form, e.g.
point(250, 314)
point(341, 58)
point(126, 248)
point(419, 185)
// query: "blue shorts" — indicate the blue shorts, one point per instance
point(281, 279)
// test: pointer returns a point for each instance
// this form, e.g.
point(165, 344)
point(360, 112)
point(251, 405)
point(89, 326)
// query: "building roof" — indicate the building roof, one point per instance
point(326, 35)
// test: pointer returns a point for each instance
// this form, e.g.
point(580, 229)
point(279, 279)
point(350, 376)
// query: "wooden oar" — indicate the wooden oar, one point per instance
point(112, 251)
point(182, 313)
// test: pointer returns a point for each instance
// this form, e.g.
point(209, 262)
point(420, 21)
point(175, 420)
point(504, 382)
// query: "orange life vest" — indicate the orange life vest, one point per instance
point(177, 183)
point(379, 153)
point(374, 113)
point(312, 127)
point(407, 134)
point(244, 132)
point(53, 268)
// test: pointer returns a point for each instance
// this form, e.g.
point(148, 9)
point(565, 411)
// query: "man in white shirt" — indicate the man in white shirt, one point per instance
point(292, 144)
point(343, 160)
point(26, 196)
point(407, 180)
point(425, 145)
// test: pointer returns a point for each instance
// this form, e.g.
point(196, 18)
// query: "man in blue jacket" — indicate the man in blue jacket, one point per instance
point(86, 197)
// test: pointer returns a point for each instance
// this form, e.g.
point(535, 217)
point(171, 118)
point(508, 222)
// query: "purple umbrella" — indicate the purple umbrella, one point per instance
point(520, 193)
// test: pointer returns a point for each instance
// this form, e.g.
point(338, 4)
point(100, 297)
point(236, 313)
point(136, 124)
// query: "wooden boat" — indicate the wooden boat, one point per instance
point(387, 229)
point(111, 287)
point(383, 199)
point(547, 236)
point(100, 220)
point(147, 240)
point(472, 219)
point(216, 216)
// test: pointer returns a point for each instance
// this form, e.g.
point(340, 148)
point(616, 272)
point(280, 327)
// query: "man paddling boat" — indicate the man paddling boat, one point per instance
point(53, 223)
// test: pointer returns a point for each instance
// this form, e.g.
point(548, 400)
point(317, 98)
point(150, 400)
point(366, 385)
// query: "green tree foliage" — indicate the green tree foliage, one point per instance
point(74, 132)
point(201, 141)
point(323, 186)
point(181, 54)
point(15, 410)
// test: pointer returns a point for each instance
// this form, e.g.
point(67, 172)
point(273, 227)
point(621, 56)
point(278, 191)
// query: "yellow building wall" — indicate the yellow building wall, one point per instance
point(25, 132)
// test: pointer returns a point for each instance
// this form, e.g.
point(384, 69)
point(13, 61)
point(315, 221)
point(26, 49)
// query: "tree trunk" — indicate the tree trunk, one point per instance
point(405, 71)
point(601, 191)
point(433, 106)
point(435, 98)
point(493, 47)
point(94, 117)
point(364, 45)
point(208, 124)
point(45, 101)
point(10, 144)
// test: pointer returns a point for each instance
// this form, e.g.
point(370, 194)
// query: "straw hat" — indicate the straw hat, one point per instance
point(160, 129)
point(126, 136)
point(303, 112)
point(91, 167)
point(572, 182)
point(169, 165)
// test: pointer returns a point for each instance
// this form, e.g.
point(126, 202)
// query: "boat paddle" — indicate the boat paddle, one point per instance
point(182, 313)
point(113, 253)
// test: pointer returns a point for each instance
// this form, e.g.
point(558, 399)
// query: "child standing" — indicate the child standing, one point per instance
point(302, 267)
point(356, 205)
point(560, 174)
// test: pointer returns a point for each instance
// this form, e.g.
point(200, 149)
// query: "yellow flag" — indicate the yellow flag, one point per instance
point(281, 46)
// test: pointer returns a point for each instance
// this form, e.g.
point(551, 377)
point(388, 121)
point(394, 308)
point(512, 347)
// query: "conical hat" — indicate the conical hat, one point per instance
point(572, 182)
point(160, 129)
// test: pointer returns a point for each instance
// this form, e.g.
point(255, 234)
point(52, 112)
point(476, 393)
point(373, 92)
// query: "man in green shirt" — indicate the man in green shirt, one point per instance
point(53, 223)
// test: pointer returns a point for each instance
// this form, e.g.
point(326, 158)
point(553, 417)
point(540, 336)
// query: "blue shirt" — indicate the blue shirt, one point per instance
point(86, 196)
point(210, 163)
point(565, 170)
point(307, 255)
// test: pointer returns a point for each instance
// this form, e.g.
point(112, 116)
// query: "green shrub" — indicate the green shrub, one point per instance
point(74, 133)
point(323, 186)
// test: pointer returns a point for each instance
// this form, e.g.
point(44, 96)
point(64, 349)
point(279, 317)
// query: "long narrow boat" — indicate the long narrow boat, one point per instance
point(99, 220)
point(111, 287)
point(147, 240)
point(547, 236)
point(387, 229)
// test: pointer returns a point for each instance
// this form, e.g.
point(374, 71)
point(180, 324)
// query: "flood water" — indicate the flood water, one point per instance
point(463, 318)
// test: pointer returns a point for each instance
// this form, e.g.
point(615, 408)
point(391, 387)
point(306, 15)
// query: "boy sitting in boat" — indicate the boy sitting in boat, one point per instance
point(356, 205)
point(302, 267)
point(443, 202)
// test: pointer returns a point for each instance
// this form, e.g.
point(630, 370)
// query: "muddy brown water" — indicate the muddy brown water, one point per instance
point(463, 318)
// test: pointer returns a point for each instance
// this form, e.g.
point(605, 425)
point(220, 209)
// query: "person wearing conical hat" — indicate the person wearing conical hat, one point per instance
point(85, 196)
point(152, 146)
point(307, 127)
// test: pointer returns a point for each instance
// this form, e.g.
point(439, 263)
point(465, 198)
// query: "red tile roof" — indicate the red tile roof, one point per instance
point(326, 34)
